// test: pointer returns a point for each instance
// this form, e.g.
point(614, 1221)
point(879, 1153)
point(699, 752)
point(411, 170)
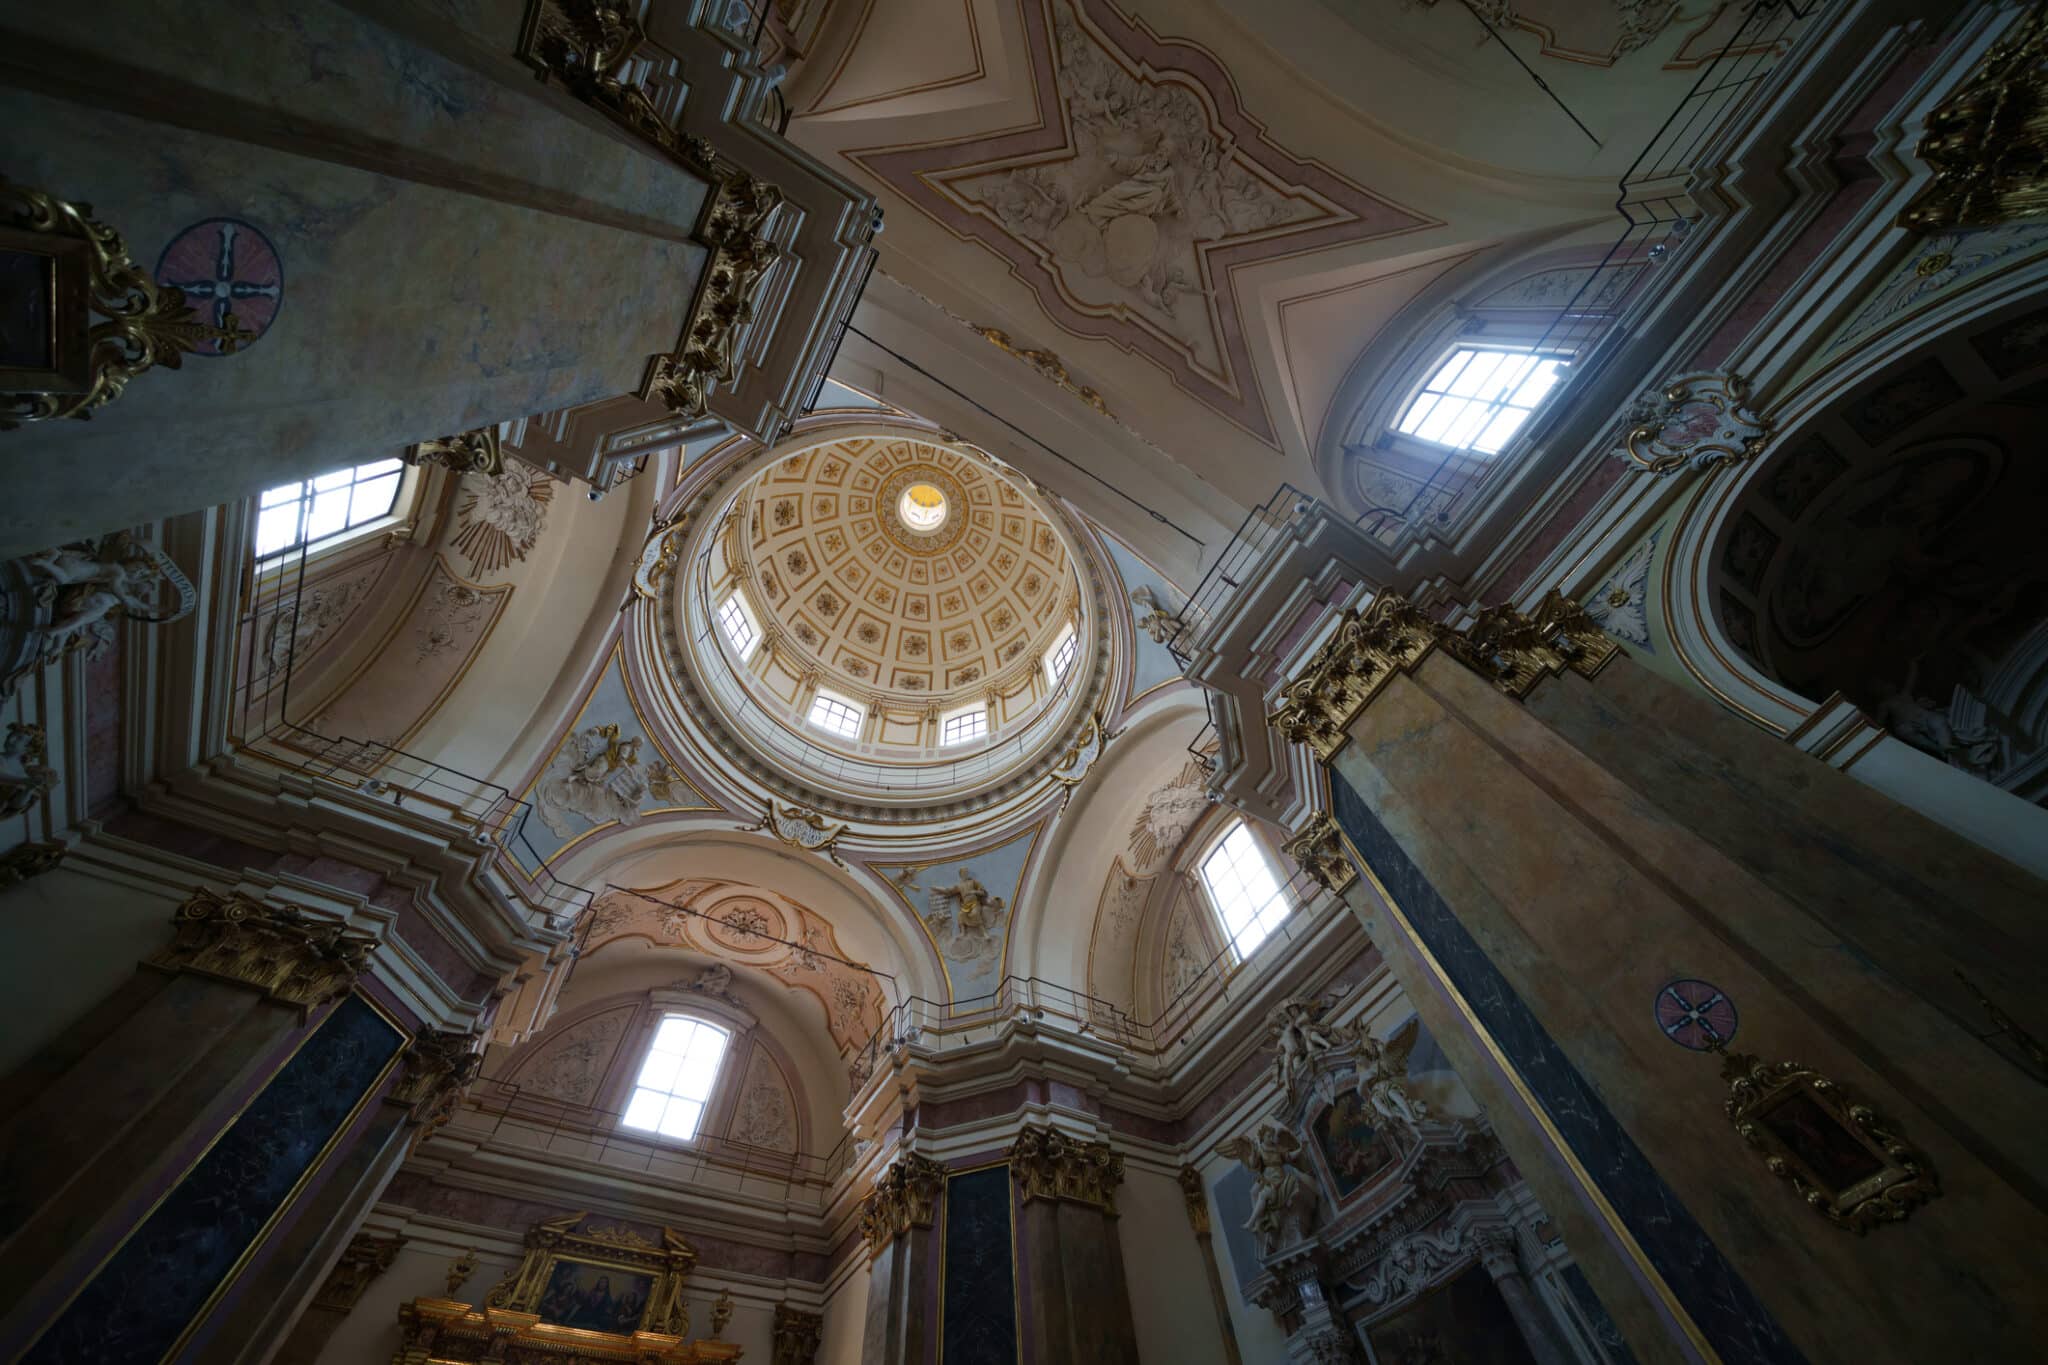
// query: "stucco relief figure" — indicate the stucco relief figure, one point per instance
point(715, 980)
point(24, 778)
point(1168, 814)
point(1283, 1197)
point(964, 917)
point(1973, 746)
point(1300, 1040)
point(595, 778)
point(1382, 1075)
point(1154, 620)
point(77, 593)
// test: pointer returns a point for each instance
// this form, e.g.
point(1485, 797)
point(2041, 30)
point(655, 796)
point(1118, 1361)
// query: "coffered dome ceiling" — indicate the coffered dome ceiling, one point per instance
point(899, 567)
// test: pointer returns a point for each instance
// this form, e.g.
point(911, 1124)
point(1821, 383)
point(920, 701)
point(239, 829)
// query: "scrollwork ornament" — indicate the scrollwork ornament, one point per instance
point(1368, 647)
point(1986, 142)
point(1697, 421)
point(905, 1197)
point(1318, 849)
point(437, 1066)
point(1048, 1164)
point(741, 255)
point(281, 950)
point(796, 1335)
point(800, 829)
point(1846, 1160)
point(147, 325)
point(472, 452)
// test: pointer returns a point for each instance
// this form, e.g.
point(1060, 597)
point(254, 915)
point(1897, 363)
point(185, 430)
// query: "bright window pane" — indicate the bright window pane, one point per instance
point(835, 715)
point(1479, 398)
point(739, 628)
point(312, 510)
point(675, 1080)
point(964, 727)
point(1242, 886)
point(1062, 656)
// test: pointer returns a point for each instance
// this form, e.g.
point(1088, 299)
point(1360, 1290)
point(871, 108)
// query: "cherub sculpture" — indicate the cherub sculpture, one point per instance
point(1382, 1075)
point(1283, 1197)
point(1300, 1037)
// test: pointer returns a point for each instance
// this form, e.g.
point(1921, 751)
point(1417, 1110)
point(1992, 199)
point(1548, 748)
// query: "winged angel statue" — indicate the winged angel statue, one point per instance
point(1283, 1197)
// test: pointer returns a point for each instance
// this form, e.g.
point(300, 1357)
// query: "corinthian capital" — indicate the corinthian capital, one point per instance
point(281, 950)
point(1048, 1164)
point(904, 1198)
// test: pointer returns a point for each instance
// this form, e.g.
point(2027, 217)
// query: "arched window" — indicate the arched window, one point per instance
point(836, 715)
point(311, 512)
point(738, 622)
point(1244, 889)
point(1478, 398)
point(675, 1080)
point(964, 726)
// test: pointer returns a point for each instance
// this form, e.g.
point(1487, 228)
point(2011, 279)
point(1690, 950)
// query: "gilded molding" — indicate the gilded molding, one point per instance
point(443, 1332)
point(1987, 140)
point(435, 1069)
point(281, 950)
point(147, 324)
point(621, 1248)
point(796, 1335)
point(1049, 1164)
point(1515, 652)
point(708, 351)
point(472, 452)
point(1196, 1198)
point(585, 44)
point(1369, 646)
point(1319, 851)
point(1781, 1108)
point(1048, 365)
point(1700, 421)
point(905, 1197)
point(365, 1258)
point(800, 829)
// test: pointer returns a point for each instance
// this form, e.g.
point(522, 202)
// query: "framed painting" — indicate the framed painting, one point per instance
point(1349, 1142)
point(45, 313)
point(595, 1295)
point(1463, 1321)
point(600, 1279)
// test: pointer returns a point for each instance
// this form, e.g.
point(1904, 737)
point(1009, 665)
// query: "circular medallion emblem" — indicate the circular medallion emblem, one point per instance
point(224, 266)
point(1695, 1014)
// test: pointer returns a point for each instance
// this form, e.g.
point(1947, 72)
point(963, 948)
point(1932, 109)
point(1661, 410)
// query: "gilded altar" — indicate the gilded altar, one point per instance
point(448, 1332)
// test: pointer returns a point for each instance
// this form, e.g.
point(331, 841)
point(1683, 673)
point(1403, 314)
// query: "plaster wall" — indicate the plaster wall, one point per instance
point(846, 1317)
point(74, 937)
point(1163, 1269)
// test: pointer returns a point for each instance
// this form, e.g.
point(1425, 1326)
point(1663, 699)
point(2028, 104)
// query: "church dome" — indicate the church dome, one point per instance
point(887, 623)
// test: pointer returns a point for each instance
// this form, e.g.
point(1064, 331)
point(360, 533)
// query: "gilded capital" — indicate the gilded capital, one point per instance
point(797, 1335)
point(436, 1067)
point(365, 1258)
point(1319, 851)
point(708, 352)
point(1196, 1199)
point(1985, 141)
point(281, 950)
point(905, 1197)
point(472, 452)
point(1514, 651)
point(1350, 669)
point(1049, 1164)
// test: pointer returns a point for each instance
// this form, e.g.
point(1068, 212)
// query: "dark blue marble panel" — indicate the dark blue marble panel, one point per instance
point(145, 1295)
point(979, 1316)
point(1712, 1293)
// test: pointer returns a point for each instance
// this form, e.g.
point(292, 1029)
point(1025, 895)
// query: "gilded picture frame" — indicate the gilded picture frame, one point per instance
point(600, 1279)
point(45, 312)
point(1845, 1159)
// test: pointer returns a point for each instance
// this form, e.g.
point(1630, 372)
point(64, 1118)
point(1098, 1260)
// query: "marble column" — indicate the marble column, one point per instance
point(1496, 1247)
point(1554, 840)
point(424, 240)
point(1080, 1302)
point(108, 1116)
point(1198, 1217)
point(899, 1222)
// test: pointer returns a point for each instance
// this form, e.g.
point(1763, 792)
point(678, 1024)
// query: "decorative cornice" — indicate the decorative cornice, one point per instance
point(740, 257)
point(1049, 365)
point(472, 452)
point(281, 950)
point(1048, 1164)
point(905, 1197)
point(365, 1258)
point(1319, 851)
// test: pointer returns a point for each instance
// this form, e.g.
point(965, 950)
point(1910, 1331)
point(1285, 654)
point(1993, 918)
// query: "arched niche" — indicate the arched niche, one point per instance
point(1873, 587)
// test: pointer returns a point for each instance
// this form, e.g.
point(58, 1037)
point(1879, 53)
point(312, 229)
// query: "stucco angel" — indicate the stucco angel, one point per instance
point(1300, 1037)
point(89, 585)
point(1383, 1072)
point(596, 778)
point(1283, 1197)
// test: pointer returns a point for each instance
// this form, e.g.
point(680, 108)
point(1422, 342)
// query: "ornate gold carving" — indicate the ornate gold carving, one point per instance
point(437, 1066)
point(904, 1198)
point(615, 1248)
point(25, 778)
point(585, 44)
point(721, 1312)
point(1048, 365)
point(740, 256)
point(1350, 669)
point(800, 828)
point(1514, 652)
point(282, 950)
point(1987, 140)
point(1319, 850)
point(444, 1332)
point(31, 859)
point(1843, 1157)
point(473, 452)
point(1697, 421)
point(459, 1271)
point(1048, 1164)
point(1196, 1198)
point(659, 556)
point(147, 324)
point(797, 1335)
point(365, 1258)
